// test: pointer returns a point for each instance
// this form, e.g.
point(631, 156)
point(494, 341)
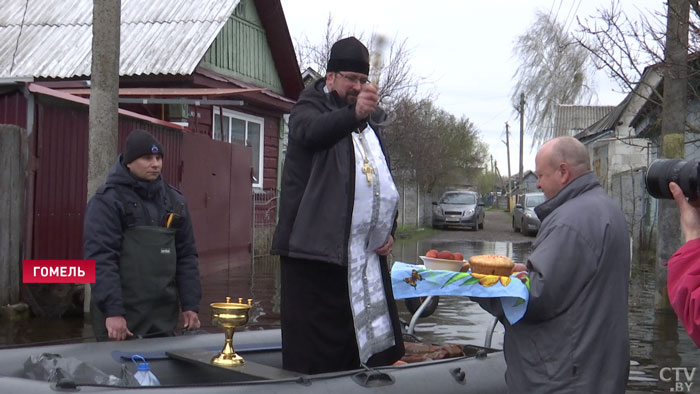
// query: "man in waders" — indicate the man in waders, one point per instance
point(138, 231)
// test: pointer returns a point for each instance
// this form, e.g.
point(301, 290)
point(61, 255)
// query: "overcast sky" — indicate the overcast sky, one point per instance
point(464, 48)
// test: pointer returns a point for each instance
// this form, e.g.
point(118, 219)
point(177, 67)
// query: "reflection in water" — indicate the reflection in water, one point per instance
point(265, 292)
point(44, 330)
point(657, 340)
point(408, 252)
point(457, 319)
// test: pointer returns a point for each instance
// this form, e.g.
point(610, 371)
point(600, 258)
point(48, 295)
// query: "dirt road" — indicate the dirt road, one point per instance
point(497, 227)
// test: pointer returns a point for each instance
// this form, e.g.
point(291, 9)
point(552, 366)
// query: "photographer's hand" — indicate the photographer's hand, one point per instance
point(690, 212)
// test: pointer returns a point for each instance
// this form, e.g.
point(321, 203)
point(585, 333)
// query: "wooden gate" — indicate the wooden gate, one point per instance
point(12, 152)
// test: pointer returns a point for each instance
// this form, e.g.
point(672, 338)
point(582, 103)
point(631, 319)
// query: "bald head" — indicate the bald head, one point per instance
point(571, 151)
point(558, 162)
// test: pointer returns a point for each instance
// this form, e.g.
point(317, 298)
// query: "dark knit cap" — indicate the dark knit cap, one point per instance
point(349, 54)
point(141, 143)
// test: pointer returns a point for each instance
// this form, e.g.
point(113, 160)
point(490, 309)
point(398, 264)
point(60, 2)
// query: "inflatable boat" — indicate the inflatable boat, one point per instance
point(182, 365)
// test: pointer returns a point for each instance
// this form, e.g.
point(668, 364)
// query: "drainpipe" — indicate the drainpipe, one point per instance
point(403, 211)
point(280, 159)
point(30, 107)
point(418, 205)
point(27, 244)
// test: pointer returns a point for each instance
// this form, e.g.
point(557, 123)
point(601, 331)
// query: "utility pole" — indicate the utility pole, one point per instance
point(510, 185)
point(104, 98)
point(104, 91)
point(522, 133)
point(510, 180)
point(495, 175)
point(498, 175)
point(673, 116)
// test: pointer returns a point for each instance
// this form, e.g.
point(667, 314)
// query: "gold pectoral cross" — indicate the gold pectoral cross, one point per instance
point(368, 171)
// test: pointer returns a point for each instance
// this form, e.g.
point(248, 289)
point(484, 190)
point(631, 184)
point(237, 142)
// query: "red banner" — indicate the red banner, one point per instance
point(58, 271)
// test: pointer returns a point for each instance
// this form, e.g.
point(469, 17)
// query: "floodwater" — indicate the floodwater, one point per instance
point(660, 346)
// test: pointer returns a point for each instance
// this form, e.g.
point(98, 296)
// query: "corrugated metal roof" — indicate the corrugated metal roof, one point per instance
point(606, 123)
point(571, 119)
point(43, 40)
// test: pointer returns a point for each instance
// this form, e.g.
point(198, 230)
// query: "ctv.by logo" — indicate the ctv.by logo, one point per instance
point(681, 376)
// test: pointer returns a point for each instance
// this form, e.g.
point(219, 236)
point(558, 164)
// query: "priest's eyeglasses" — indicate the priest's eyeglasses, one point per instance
point(353, 79)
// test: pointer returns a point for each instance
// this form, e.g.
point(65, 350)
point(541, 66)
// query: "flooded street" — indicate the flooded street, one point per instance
point(658, 342)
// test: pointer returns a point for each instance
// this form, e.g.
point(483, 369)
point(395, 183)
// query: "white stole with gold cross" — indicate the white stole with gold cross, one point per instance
point(375, 202)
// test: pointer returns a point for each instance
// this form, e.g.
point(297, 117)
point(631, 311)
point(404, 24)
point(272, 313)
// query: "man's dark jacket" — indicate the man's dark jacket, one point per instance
point(103, 234)
point(318, 186)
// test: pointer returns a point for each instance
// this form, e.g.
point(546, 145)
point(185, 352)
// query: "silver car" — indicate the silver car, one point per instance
point(459, 209)
point(525, 219)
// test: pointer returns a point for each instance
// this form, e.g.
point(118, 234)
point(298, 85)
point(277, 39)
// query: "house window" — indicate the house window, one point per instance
point(242, 129)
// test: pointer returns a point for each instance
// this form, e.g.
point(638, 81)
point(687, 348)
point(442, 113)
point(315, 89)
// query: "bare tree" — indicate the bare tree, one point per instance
point(427, 145)
point(315, 54)
point(392, 71)
point(554, 70)
point(623, 46)
point(432, 147)
point(626, 48)
point(486, 181)
point(390, 61)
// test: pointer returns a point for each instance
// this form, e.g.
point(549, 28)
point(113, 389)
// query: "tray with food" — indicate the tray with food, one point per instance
point(484, 276)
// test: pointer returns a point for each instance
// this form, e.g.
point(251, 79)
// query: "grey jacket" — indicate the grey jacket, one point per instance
point(574, 335)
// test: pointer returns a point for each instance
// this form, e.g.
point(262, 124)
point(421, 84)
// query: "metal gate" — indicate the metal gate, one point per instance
point(216, 181)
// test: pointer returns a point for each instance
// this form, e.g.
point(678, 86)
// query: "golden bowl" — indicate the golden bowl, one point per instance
point(229, 315)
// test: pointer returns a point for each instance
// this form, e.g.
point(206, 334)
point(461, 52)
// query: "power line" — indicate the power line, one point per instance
point(549, 15)
point(566, 26)
point(558, 9)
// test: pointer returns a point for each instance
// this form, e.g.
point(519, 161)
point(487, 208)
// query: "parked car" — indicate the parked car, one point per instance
point(525, 219)
point(459, 208)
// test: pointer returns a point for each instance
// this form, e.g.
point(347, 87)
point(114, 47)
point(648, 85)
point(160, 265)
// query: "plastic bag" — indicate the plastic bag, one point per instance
point(54, 368)
point(128, 378)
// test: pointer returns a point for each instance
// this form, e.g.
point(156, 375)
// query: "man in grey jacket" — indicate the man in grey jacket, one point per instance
point(574, 335)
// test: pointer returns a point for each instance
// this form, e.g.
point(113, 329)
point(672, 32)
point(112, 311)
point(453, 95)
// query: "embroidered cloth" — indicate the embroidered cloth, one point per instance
point(409, 280)
point(372, 218)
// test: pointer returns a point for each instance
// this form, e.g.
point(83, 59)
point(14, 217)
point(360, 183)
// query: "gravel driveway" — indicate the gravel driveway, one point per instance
point(497, 227)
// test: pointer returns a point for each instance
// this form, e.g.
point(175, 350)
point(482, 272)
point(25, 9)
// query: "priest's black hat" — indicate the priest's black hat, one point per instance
point(349, 54)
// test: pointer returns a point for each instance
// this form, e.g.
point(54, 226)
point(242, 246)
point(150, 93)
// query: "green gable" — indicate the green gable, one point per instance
point(240, 50)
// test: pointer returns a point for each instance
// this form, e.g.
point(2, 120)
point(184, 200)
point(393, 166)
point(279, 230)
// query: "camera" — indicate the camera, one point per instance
point(682, 172)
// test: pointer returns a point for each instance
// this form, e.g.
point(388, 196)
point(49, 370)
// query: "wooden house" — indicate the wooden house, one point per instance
point(212, 79)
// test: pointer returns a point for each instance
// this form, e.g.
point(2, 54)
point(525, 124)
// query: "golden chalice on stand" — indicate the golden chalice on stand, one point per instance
point(229, 315)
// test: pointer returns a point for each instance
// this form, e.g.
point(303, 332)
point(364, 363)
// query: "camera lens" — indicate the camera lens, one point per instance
point(663, 171)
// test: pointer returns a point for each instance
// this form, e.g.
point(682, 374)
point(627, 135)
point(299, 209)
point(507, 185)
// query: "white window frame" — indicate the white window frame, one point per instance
point(231, 114)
